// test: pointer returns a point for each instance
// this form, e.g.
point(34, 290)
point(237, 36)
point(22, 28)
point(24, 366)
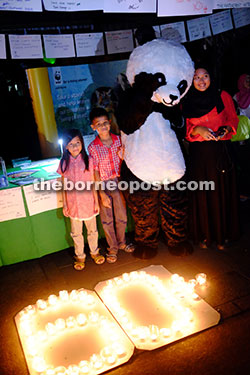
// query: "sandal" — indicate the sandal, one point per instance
point(111, 257)
point(79, 265)
point(128, 248)
point(98, 258)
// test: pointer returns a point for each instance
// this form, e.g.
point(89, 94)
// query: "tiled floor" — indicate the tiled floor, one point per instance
point(223, 349)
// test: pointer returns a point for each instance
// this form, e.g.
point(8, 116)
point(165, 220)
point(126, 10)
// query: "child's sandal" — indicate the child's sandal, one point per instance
point(128, 248)
point(111, 257)
point(98, 258)
point(79, 265)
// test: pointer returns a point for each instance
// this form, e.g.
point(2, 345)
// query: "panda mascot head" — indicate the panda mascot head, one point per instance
point(160, 73)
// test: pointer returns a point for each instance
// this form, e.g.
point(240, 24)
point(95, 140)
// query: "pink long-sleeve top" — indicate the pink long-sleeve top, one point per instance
point(214, 120)
point(78, 204)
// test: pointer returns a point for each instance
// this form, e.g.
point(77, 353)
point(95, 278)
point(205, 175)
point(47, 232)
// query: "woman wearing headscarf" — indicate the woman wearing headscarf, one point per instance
point(211, 120)
point(242, 97)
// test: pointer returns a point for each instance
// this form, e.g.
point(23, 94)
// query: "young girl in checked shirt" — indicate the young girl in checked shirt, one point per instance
point(79, 206)
point(106, 151)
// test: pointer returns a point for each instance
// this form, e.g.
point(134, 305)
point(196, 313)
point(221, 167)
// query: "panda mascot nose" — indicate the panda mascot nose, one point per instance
point(168, 95)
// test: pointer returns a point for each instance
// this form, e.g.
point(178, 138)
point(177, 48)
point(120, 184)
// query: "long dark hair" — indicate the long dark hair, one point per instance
point(67, 136)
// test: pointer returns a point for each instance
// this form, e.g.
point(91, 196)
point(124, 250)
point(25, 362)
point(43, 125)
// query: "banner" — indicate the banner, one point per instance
point(76, 89)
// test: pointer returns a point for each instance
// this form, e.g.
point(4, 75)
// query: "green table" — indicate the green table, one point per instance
point(34, 236)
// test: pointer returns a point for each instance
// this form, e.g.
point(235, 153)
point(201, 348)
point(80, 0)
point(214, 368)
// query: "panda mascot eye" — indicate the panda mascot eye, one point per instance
point(182, 86)
point(160, 79)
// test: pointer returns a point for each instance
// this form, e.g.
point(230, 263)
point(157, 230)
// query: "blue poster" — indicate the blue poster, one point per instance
point(77, 89)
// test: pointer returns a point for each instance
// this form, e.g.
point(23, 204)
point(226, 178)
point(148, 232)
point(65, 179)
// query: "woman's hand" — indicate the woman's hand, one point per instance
point(204, 133)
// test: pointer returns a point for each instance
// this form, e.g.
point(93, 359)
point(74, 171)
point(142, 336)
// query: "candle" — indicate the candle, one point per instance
point(201, 278)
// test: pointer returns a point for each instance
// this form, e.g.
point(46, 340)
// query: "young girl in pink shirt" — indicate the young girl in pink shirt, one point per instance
point(80, 205)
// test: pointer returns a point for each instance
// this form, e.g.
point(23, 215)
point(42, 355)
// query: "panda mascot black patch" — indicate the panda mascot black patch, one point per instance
point(160, 73)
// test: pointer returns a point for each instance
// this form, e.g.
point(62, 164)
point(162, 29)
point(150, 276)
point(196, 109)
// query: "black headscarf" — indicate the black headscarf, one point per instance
point(198, 103)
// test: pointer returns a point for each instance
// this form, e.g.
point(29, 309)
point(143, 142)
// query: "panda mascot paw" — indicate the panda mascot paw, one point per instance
point(160, 73)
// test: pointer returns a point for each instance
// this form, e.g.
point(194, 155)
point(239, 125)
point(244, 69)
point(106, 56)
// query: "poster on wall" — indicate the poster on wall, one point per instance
point(198, 28)
point(21, 5)
point(183, 7)
point(220, 4)
point(76, 89)
point(25, 46)
point(73, 5)
point(2, 47)
point(221, 22)
point(174, 31)
point(129, 6)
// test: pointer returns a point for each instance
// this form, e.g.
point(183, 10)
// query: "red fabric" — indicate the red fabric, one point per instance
point(213, 120)
point(106, 159)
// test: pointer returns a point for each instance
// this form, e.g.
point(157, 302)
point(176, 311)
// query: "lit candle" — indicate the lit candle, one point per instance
point(118, 349)
point(60, 324)
point(154, 332)
point(90, 300)
point(96, 361)
point(64, 295)
point(84, 367)
point(39, 364)
point(73, 370)
point(50, 328)
point(201, 278)
point(70, 322)
point(60, 370)
point(125, 277)
point(52, 299)
point(31, 309)
point(165, 332)
point(50, 371)
point(74, 295)
point(41, 304)
point(81, 319)
point(93, 317)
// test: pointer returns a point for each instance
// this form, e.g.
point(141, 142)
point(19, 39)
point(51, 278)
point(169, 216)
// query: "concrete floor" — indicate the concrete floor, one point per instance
point(223, 349)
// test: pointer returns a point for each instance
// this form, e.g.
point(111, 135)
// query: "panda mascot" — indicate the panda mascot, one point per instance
point(160, 73)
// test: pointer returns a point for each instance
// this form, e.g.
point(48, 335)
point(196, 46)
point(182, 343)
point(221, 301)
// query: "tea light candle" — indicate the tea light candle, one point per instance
point(52, 299)
point(41, 304)
point(201, 278)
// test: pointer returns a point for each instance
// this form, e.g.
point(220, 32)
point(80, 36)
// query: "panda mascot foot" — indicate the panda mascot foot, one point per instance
point(181, 249)
point(144, 251)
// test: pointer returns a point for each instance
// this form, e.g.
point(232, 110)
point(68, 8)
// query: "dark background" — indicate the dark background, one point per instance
point(227, 53)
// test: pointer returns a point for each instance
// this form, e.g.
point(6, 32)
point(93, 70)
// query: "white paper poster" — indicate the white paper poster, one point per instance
point(130, 6)
point(183, 7)
point(41, 201)
point(221, 22)
point(57, 46)
point(119, 41)
point(89, 44)
point(2, 47)
point(26, 46)
point(73, 6)
point(198, 28)
point(21, 5)
point(220, 4)
point(241, 17)
point(174, 31)
point(11, 204)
